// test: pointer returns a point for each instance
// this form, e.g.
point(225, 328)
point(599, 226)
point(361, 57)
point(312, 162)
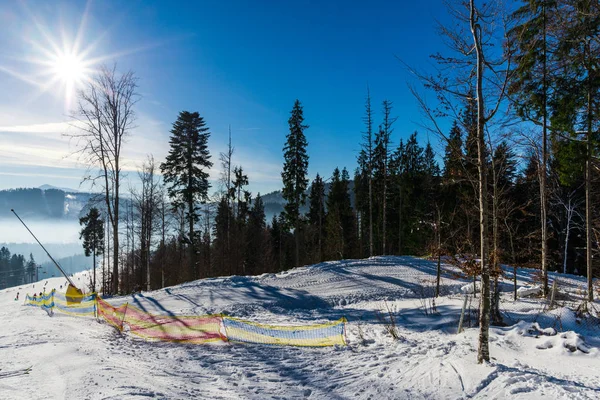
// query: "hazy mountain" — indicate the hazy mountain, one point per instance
point(38, 203)
point(274, 201)
point(66, 190)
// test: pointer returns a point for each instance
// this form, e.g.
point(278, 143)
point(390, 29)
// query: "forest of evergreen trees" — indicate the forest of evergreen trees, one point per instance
point(15, 269)
point(522, 142)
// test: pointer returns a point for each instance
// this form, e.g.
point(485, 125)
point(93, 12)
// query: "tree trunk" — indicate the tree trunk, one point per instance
point(544, 161)
point(483, 353)
point(297, 239)
point(94, 261)
point(588, 188)
point(400, 223)
point(383, 247)
point(229, 154)
point(320, 228)
point(495, 312)
point(116, 231)
point(162, 264)
point(108, 230)
point(370, 213)
point(193, 271)
point(439, 251)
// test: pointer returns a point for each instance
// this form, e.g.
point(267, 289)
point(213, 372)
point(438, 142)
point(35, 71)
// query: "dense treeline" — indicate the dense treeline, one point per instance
point(15, 269)
point(520, 191)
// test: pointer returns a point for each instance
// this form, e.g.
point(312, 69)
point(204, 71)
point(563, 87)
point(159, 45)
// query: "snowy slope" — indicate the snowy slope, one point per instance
point(81, 358)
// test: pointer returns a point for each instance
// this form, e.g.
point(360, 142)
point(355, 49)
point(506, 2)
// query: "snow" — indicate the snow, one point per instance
point(76, 357)
point(526, 291)
point(468, 288)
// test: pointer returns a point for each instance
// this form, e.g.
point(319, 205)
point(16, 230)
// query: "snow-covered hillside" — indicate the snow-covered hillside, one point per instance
point(75, 357)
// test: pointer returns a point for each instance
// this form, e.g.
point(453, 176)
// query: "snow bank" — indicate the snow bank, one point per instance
point(526, 291)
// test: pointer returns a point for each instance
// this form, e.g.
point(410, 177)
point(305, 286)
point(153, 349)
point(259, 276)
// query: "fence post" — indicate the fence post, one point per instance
point(462, 314)
point(96, 305)
point(553, 294)
point(124, 313)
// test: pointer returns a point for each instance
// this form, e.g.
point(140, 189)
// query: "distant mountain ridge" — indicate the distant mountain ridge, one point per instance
point(66, 190)
point(52, 202)
point(38, 203)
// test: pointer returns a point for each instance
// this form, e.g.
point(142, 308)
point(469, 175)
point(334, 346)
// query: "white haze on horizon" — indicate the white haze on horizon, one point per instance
point(47, 231)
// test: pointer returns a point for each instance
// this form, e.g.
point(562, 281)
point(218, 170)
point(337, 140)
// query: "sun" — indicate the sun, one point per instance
point(61, 59)
point(70, 69)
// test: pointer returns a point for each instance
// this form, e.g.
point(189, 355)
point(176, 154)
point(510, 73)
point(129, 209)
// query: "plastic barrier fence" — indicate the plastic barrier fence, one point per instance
point(113, 315)
point(46, 300)
point(194, 329)
point(329, 334)
point(186, 329)
point(85, 305)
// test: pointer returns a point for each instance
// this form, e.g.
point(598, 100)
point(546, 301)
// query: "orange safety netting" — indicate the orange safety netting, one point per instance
point(188, 329)
point(193, 328)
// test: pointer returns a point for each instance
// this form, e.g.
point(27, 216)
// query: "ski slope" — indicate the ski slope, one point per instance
point(74, 357)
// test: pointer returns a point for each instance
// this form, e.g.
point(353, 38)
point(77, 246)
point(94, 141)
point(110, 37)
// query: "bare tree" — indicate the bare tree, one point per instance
point(146, 201)
point(569, 202)
point(165, 220)
point(104, 117)
point(477, 64)
point(225, 159)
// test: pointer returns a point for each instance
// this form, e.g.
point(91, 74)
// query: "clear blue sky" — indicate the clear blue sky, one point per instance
point(238, 63)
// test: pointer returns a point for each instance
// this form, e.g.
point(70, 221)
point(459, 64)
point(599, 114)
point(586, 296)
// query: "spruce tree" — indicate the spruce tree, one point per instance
point(257, 244)
point(221, 232)
point(365, 162)
point(295, 169)
point(531, 88)
point(93, 237)
point(340, 218)
point(32, 268)
point(316, 213)
point(575, 104)
point(185, 172)
point(453, 155)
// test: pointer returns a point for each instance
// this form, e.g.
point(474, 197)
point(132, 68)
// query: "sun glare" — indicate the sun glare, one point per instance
point(63, 61)
point(69, 68)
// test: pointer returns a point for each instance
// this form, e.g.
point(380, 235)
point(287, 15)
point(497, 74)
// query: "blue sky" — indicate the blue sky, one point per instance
point(238, 63)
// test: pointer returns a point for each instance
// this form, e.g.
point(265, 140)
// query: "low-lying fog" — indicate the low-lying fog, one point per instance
point(47, 231)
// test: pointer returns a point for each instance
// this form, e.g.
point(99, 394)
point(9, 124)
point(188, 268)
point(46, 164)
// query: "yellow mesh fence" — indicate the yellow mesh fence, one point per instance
point(193, 328)
point(327, 334)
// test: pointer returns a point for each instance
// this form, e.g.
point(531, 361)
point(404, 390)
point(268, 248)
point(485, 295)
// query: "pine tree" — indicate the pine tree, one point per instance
point(384, 142)
point(185, 171)
point(397, 194)
point(295, 169)
point(93, 236)
point(341, 234)
point(316, 213)
point(335, 233)
point(453, 156)
point(365, 162)
point(257, 249)
point(530, 90)
point(574, 106)
point(221, 227)
point(32, 267)
point(362, 184)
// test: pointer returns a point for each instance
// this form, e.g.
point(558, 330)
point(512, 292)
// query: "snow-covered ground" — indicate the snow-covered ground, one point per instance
point(77, 357)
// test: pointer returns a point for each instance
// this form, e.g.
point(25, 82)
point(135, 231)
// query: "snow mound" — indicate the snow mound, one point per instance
point(526, 291)
point(566, 342)
point(532, 329)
